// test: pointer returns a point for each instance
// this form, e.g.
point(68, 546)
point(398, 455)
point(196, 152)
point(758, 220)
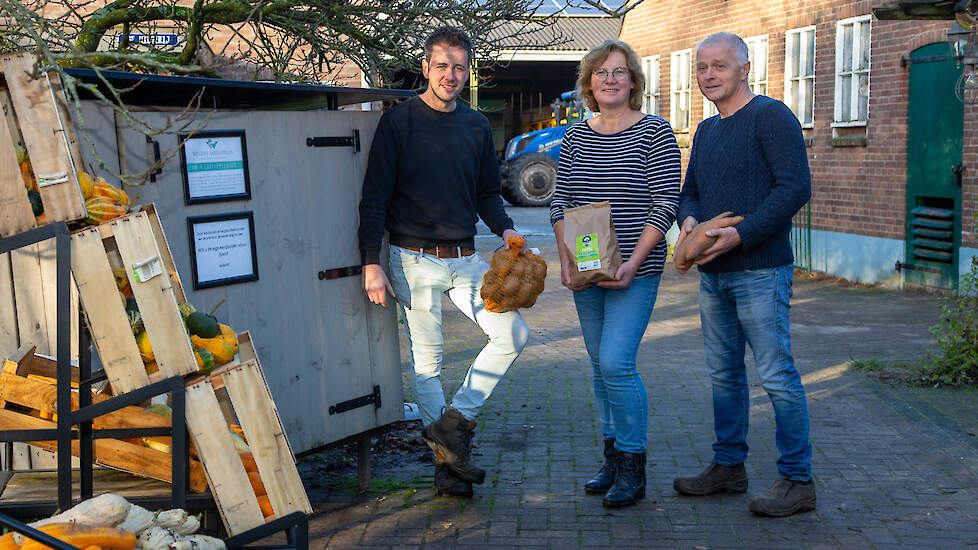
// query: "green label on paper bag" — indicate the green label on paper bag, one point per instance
point(588, 257)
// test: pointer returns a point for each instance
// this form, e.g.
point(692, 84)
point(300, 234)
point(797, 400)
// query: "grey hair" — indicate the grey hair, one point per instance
point(739, 46)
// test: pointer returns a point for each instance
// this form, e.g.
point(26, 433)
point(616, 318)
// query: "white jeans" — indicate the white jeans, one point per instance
point(419, 281)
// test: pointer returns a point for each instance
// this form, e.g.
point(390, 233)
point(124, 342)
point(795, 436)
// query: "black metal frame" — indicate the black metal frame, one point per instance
point(295, 525)
point(248, 215)
point(86, 412)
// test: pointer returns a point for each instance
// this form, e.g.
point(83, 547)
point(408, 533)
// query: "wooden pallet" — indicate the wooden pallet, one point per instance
point(238, 392)
point(28, 400)
point(36, 115)
point(136, 243)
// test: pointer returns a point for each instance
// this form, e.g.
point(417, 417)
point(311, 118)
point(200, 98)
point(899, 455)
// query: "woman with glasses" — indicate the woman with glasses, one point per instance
point(631, 160)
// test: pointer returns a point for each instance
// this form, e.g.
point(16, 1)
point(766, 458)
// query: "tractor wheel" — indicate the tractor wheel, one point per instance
point(531, 180)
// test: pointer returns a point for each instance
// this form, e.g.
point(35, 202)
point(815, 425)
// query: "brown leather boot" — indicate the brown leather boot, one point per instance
point(450, 437)
point(783, 498)
point(448, 485)
point(713, 479)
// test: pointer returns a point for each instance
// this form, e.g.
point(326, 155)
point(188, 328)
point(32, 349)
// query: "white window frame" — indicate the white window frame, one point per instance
point(753, 43)
point(799, 81)
point(852, 117)
point(709, 109)
point(650, 99)
point(679, 90)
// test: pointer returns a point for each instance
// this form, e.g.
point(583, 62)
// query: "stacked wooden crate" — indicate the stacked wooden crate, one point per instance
point(236, 392)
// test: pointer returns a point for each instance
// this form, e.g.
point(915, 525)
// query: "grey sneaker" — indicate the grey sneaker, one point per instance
point(713, 479)
point(785, 497)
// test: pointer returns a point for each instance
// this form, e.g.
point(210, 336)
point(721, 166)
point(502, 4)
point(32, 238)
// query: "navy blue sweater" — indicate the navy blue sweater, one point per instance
point(754, 164)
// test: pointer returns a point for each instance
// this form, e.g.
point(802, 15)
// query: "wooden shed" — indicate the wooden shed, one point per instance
point(270, 227)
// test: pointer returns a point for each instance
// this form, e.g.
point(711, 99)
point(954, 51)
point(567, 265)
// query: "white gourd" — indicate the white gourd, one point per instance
point(189, 527)
point(156, 538)
point(137, 520)
point(198, 542)
point(171, 519)
point(105, 510)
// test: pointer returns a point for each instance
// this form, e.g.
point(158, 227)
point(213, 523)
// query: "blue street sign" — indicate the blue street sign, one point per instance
point(151, 39)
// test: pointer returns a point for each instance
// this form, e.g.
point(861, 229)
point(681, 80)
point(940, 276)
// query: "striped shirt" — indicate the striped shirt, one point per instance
point(636, 170)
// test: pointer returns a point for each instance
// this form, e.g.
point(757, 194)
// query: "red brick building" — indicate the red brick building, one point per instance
point(877, 105)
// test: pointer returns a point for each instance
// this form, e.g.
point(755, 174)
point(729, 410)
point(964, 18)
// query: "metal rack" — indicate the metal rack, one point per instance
point(295, 525)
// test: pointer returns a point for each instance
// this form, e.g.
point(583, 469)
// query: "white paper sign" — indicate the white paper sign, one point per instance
point(215, 167)
point(223, 250)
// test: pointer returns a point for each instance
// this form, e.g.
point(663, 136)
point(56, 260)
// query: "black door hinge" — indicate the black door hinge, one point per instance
point(336, 141)
point(357, 403)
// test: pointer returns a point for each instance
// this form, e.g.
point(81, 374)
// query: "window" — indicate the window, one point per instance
point(650, 100)
point(680, 67)
point(799, 74)
point(852, 71)
point(757, 55)
point(709, 109)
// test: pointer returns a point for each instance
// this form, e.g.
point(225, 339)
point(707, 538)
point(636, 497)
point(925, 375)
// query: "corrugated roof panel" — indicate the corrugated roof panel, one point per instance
point(563, 34)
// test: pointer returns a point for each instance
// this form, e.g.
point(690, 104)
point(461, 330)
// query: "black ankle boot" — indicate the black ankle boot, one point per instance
point(605, 477)
point(446, 483)
point(629, 482)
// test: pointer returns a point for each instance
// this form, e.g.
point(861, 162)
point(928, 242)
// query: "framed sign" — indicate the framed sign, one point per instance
point(222, 249)
point(215, 166)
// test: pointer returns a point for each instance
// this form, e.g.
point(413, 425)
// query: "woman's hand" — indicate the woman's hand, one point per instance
point(565, 277)
point(623, 277)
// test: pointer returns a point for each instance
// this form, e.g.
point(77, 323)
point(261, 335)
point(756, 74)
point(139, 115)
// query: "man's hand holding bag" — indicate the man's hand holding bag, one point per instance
point(591, 244)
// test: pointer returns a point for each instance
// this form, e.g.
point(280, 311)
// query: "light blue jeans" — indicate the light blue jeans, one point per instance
point(613, 322)
point(419, 281)
point(751, 307)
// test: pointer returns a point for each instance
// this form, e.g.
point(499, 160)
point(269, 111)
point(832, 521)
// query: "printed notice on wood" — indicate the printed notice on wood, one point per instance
point(222, 249)
point(215, 166)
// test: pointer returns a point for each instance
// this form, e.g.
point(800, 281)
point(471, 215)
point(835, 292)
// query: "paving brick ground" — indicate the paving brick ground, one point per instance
point(894, 467)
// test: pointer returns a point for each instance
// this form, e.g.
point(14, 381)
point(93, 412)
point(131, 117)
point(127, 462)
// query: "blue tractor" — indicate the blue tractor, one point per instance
point(529, 168)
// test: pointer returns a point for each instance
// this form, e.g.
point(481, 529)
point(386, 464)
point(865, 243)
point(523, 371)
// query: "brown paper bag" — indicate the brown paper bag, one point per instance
point(591, 243)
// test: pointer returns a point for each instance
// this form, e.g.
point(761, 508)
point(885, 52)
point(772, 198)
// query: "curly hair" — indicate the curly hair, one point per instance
point(449, 36)
point(596, 57)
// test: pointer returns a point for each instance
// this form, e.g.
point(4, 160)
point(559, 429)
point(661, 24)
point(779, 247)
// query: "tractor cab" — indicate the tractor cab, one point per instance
point(529, 169)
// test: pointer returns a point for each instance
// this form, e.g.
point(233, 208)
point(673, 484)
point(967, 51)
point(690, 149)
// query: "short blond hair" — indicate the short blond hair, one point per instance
point(596, 57)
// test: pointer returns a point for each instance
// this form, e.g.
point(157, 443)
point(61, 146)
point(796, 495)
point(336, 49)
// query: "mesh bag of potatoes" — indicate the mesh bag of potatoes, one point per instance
point(514, 280)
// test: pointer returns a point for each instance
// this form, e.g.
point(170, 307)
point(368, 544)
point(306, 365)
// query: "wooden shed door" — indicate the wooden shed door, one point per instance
point(935, 135)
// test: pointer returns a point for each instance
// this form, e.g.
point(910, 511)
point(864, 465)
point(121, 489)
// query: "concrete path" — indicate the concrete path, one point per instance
point(895, 467)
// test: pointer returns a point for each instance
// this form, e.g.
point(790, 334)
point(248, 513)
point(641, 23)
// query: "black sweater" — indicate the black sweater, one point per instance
point(429, 178)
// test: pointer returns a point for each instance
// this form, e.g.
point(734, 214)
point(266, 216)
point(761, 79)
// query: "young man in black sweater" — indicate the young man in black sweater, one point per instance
point(431, 175)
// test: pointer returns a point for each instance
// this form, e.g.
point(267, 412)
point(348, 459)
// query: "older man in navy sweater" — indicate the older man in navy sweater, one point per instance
point(749, 159)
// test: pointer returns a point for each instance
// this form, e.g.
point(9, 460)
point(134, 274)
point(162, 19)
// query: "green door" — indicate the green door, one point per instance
point(935, 135)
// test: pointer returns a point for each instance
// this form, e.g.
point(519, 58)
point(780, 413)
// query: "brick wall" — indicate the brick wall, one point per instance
point(859, 190)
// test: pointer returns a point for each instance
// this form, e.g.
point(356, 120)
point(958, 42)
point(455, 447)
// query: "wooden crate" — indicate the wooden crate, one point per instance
point(238, 392)
point(36, 115)
point(28, 400)
point(137, 244)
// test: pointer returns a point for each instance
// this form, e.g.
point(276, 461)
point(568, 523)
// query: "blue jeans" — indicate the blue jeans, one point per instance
point(613, 322)
point(751, 307)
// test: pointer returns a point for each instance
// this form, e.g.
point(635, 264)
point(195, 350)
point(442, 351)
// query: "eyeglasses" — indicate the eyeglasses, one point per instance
point(620, 73)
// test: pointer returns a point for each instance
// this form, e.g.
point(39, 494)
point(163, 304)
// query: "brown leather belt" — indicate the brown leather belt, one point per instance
point(443, 251)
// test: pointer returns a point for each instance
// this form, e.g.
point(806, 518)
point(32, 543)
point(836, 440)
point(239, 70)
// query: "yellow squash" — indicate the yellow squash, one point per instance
point(222, 351)
point(145, 349)
point(228, 335)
